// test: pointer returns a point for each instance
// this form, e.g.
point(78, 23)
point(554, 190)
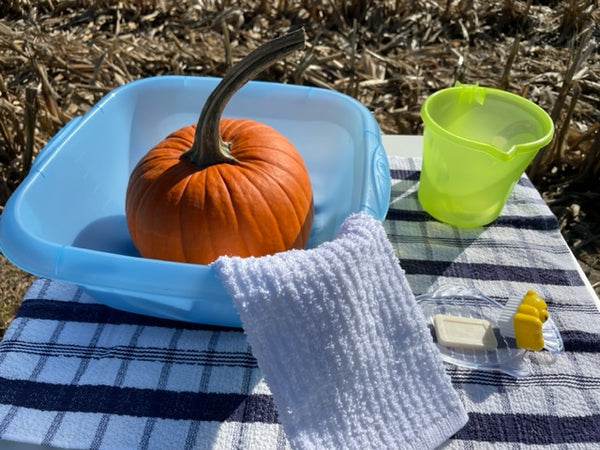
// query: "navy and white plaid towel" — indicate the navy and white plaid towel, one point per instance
point(77, 374)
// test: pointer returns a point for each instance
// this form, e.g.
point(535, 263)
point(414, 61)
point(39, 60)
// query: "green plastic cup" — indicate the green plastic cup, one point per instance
point(477, 142)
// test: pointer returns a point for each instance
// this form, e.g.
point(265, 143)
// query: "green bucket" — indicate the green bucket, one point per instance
point(477, 142)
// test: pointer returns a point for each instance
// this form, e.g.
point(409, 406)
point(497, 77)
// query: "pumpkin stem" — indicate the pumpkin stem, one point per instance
point(208, 148)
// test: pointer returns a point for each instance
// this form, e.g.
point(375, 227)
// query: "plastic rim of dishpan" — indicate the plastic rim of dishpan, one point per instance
point(66, 220)
point(463, 301)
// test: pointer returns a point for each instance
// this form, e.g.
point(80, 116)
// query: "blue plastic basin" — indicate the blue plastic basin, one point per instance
point(66, 221)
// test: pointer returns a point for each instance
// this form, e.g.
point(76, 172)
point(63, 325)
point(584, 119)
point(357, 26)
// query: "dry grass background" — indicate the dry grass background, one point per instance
point(58, 58)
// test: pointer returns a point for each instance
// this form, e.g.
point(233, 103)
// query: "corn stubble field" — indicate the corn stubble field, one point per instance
point(58, 58)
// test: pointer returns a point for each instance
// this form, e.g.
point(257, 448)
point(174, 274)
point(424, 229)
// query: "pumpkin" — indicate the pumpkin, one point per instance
point(232, 187)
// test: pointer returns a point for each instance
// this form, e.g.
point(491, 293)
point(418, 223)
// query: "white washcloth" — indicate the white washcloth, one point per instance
point(343, 345)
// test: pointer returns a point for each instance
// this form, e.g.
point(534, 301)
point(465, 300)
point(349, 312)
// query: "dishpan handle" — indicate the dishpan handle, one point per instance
point(55, 142)
point(376, 199)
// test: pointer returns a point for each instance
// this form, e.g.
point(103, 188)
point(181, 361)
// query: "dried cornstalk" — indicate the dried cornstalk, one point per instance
point(29, 125)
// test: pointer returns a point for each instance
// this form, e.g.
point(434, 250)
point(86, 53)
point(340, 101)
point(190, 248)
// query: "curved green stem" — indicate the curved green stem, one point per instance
point(208, 148)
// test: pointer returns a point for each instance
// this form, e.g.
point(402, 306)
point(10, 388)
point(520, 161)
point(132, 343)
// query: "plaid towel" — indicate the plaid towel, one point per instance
point(77, 374)
point(343, 345)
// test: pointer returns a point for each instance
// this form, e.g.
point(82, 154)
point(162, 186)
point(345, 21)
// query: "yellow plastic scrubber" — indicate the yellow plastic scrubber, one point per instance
point(523, 319)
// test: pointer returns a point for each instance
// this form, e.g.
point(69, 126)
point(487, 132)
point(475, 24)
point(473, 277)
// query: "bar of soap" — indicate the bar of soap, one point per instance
point(464, 332)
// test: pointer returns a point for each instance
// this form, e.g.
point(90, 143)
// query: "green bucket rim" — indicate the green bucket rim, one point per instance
point(476, 93)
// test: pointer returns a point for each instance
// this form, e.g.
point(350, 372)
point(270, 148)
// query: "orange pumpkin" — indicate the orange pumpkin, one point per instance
point(222, 187)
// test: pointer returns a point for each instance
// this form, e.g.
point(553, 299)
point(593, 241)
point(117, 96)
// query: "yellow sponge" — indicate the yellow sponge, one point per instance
point(523, 319)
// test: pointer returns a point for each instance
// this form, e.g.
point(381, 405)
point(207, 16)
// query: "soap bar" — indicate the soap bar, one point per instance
point(464, 332)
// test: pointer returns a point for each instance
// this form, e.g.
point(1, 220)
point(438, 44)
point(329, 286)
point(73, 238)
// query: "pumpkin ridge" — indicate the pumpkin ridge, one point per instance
point(169, 177)
point(267, 134)
point(137, 187)
point(138, 215)
point(153, 158)
point(280, 163)
point(229, 127)
point(180, 141)
point(182, 211)
point(267, 168)
point(270, 145)
point(232, 206)
point(268, 151)
point(207, 243)
point(298, 186)
point(184, 132)
point(250, 125)
point(205, 232)
point(172, 147)
point(260, 148)
point(162, 154)
point(268, 207)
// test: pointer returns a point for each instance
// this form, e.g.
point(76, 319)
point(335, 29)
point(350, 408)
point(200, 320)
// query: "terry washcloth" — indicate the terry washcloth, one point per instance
point(343, 345)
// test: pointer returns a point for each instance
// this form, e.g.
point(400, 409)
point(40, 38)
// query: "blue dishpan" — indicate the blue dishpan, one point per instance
point(66, 220)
